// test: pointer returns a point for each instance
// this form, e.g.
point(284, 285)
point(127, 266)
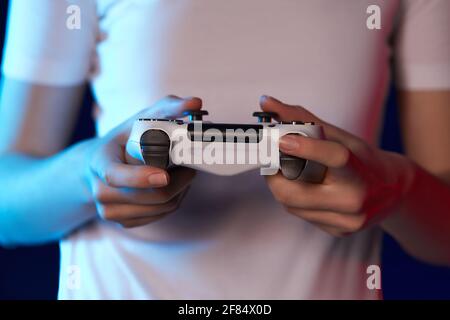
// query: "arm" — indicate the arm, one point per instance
point(409, 195)
point(47, 191)
point(366, 186)
point(39, 98)
point(422, 225)
point(42, 195)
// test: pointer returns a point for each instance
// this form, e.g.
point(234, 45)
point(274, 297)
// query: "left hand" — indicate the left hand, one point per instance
point(363, 184)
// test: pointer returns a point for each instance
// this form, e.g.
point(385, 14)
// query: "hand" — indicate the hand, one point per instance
point(135, 195)
point(363, 184)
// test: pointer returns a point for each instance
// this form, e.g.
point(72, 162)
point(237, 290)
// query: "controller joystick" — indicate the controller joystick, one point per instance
point(264, 117)
point(155, 146)
point(291, 167)
point(195, 115)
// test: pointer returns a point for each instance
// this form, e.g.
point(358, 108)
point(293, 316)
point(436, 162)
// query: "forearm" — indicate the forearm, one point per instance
point(43, 199)
point(422, 223)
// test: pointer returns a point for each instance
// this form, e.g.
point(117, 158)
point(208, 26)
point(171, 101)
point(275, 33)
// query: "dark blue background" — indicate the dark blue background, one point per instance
point(32, 272)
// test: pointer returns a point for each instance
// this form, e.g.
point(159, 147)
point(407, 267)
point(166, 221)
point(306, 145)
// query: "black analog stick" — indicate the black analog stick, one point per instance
point(264, 117)
point(155, 146)
point(291, 167)
point(195, 115)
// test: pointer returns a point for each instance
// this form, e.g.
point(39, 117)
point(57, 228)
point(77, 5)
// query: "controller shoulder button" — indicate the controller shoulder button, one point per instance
point(195, 115)
point(264, 117)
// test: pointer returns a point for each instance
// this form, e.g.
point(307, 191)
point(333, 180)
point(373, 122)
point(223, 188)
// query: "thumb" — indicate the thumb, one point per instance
point(173, 107)
point(288, 112)
point(169, 107)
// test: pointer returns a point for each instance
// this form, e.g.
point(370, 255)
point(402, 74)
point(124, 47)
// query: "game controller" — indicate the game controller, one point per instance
point(220, 148)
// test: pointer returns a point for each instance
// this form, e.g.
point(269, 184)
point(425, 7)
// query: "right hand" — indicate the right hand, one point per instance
point(135, 195)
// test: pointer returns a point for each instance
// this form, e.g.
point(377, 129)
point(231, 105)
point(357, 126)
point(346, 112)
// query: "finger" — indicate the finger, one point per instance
point(336, 232)
point(180, 178)
point(344, 223)
point(299, 194)
point(169, 107)
point(119, 175)
point(137, 222)
point(173, 106)
point(120, 212)
point(331, 154)
point(109, 165)
point(349, 199)
point(288, 112)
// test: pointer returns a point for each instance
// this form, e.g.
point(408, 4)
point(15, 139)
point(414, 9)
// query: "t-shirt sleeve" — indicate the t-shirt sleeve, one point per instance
point(44, 44)
point(422, 45)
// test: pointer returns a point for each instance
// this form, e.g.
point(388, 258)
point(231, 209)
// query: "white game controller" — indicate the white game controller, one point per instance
point(222, 149)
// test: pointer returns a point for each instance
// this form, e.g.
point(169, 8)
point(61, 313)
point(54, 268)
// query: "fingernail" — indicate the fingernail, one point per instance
point(288, 143)
point(191, 98)
point(158, 179)
point(265, 97)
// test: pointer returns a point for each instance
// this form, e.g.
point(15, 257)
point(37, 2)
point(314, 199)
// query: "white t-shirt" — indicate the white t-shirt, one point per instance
point(230, 238)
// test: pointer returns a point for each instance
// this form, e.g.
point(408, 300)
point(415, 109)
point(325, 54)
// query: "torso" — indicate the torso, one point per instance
point(230, 239)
